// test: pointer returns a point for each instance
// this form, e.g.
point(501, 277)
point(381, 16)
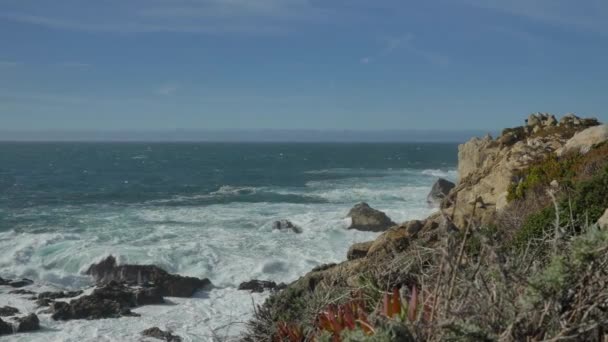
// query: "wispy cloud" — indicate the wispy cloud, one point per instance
point(168, 89)
point(187, 16)
point(405, 43)
point(8, 64)
point(74, 65)
point(590, 15)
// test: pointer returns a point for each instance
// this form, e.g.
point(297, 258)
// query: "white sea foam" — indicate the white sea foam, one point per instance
point(228, 243)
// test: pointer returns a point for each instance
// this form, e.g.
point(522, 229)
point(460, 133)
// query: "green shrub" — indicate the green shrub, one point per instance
point(534, 227)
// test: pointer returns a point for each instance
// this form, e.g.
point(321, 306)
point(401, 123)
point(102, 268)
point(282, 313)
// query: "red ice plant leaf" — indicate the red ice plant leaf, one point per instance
point(396, 305)
point(413, 305)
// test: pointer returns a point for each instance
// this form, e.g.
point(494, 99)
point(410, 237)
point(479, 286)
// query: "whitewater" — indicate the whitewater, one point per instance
point(218, 231)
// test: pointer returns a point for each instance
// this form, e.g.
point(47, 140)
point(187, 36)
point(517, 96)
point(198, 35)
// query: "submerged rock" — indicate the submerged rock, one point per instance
point(21, 283)
point(358, 250)
point(286, 225)
point(28, 323)
point(169, 284)
point(261, 285)
point(366, 218)
point(59, 294)
point(155, 332)
point(22, 292)
point(6, 311)
point(439, 191)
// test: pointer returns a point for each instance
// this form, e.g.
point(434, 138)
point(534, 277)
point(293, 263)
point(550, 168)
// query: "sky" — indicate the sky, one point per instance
point(153, 65)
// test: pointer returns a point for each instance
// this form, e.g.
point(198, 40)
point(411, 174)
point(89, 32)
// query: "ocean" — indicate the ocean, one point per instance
point(197, 209)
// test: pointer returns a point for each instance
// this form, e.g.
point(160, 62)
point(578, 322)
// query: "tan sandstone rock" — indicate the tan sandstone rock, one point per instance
point(584, 140)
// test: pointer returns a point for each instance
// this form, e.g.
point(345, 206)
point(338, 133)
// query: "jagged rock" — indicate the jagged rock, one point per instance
point(6, 311)
point(286, 225)
point(584, 140)
point(358, 250)
point(5, 328)
point(170, 284)
point(439, 191)
point(261, 285)
point(21, 283)
point(155, 332)
point(110, 301)
point(28, 323)
point(44, 302)
point(323, 267)
point(603, 221)
point(396, 239)
point(22, 292)
point(366, 218)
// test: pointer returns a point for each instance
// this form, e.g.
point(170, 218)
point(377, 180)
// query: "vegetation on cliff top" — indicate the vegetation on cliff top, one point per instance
point(539, 276)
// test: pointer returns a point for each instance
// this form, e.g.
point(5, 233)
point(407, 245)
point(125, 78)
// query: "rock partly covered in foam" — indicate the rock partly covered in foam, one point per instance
point(6, 311)
point(155, 332)
point(22, 324)
point(285, 225)
point(170, 285)
point(16, 283)
point(439, 191)
point(366, 218)
point(5, 328)
point(261, 285)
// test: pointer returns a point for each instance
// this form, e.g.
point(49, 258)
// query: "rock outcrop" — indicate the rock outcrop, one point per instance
point(358, 250)
point(584, 140)
point(285, 225)
point(366, 218)
point(439, 191)
point(5, 328)
point(487, 166)
point(155, 332)
point(170, 285)
point(260, 286)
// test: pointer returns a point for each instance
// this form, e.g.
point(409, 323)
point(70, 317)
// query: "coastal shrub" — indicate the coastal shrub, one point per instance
point(534, 228)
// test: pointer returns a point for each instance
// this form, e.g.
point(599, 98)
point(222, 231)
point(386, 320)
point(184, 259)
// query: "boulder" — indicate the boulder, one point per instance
point(169, 284)
point(396, 239)
point(28, 323)
point(358, 250)
point(149, 296)
point(584, 140)
point(3, 281)
point(6, 311)
point(5, 328)
point(366, 218)
point(285, 225)
point(603, 221)
point(261, 285)
point(439, 191)
point(155, 332)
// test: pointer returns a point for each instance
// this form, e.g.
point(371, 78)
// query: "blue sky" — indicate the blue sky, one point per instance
point(299, 64)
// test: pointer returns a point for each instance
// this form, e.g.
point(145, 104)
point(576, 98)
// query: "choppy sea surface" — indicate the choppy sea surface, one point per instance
point(198, 209)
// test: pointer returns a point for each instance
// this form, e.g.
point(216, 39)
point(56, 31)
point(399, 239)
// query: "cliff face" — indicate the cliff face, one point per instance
point(487, 166)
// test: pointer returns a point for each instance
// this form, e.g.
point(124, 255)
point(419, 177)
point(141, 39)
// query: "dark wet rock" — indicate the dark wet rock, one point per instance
point(5, 328)
point(44, 302)
point(21, 283)
point(22, 292)
point(366, 218)
point(439, 191)
point(358, 250)
point(161, 335)
point(59, 294)
point(28, 323)
point(149, 296)
point(286, 225)
point(261, 285)
point(3, 281)
point(110, 301)
point(169, 284)
point(6, 311)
